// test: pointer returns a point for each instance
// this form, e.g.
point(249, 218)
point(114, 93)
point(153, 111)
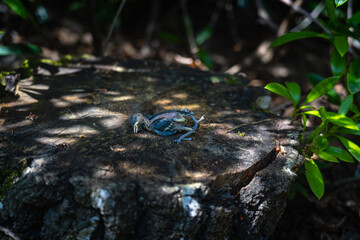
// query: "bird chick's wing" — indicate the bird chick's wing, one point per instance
point(163, 125)
point(172, 115)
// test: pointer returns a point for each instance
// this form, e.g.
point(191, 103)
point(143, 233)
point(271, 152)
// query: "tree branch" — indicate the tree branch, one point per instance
point(304, 12)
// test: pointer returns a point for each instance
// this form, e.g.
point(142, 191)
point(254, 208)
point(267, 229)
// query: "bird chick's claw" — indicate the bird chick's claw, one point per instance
point(178, 141)
point(197, 121)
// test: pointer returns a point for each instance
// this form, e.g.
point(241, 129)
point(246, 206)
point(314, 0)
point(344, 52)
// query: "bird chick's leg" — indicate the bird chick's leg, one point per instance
point(182, 119)
point(188, 111)
point(178, 141)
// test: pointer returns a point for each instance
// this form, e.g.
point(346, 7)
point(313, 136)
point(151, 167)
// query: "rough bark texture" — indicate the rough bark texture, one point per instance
point(90, 177)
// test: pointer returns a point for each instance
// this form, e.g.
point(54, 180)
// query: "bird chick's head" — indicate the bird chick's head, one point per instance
point(137, 122)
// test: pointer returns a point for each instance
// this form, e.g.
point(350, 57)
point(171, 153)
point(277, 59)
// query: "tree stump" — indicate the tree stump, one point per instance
point(88, 176)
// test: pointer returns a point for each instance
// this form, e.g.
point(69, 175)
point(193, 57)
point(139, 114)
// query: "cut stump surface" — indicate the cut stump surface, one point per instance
point(90, 177)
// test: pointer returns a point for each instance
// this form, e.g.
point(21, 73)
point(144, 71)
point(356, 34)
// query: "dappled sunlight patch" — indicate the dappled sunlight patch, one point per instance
point(38, 87)
point(111, 93)
point(123, 98)
point(68, 100)
point(112, 122)
point(280, 71)
point(31, 91)
point(77, 98)
point(20, 124)
point(67, 71)
point(221, 129)
point(59, 103)
point(196, 174)
point(144, 135)
point(136, 169)
point(57, 140)
point(89, 112)
point(192, 107)
point(104, 172)
point(170, 189)
point(118, 148)
point(25, 99)
point(150, 79)
point(28, 83)
point(164, 101)
point(120, 69)
point(180, 95)
point(77, 130)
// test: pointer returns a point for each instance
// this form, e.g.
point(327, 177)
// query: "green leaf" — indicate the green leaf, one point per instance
point(321, 142)
point(353, 76)
point(317, 131)
point(333, 97)
point(354, 109)
point(346, 105)
point(330, 9)
point(340, 2)
point(205, 58)
point(355, 19)
point(341, 44)
point(327, 157)
point(288, 37)
point(314, 178)
point(169, 37)
point(321, 88)
point(279, 89)
point(18, 49)
point(340, 154)
point(21, 10)
point(338, 63)
point(323, 113)
point(18, 8)
point(306, 107)
point(2, 34)
point(337, 28)
point(342, 121)
point(75, 5)
point(346, 131)
point(204, 35)
point(351, 147)
point(295, 92)
point(313, 112)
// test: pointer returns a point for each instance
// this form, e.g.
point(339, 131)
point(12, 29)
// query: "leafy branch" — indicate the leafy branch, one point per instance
point(334, 125)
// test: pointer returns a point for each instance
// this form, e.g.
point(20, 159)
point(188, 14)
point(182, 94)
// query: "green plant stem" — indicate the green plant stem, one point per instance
point(316, 132)
point(112, 28)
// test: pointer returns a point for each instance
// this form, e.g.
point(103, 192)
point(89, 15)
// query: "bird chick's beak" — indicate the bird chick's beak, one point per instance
point(136, 128)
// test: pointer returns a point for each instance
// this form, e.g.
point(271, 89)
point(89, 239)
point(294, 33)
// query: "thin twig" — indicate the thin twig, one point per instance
point(349, 10)
point(346, 181)
point(307, 21)
point(189, 30)
point(112, 27)
point(216, 14)
point(232, 22)
point(145, 50)
point(264, 16)
point(9, 233)
point(283, 27)
point(304, 12)
point(247, 124)
point(349, 13)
